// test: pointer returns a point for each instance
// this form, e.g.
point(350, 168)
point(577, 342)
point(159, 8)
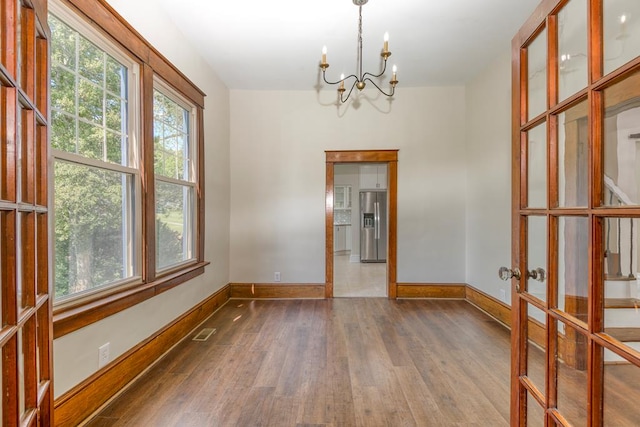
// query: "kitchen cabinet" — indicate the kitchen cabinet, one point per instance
point(342, 197)
point(342, 238)
point(373, 177)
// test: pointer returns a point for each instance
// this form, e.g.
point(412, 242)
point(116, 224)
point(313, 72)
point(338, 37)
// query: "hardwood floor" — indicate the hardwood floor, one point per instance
point(341, 362)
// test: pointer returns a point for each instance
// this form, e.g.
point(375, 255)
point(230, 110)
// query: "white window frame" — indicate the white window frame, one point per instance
point(192, 167)
point(133, 241)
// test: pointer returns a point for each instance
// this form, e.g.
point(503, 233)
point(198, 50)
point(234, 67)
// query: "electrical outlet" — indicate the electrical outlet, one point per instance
point(503, 295)
point(276, 276)
point(103, 355)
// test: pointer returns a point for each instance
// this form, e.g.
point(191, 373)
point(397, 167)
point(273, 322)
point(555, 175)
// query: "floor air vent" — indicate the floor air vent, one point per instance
point(204, 334)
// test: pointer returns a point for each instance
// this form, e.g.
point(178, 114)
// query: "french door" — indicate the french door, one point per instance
point(576, 215)
point(25, 309)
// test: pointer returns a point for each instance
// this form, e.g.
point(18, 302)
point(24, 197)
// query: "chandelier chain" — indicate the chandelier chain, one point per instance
point(360, 46)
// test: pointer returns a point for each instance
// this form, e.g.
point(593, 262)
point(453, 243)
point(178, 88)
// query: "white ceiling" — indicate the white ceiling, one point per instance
point(276, 44)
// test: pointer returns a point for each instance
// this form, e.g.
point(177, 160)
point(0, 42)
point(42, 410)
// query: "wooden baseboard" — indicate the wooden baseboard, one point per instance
point(502, 313)
point(431, 290)
point(492, 306)
point(84, 399)
point(277, 291)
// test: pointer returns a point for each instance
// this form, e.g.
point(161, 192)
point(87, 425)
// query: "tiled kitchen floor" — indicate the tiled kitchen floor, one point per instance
point(355, 279)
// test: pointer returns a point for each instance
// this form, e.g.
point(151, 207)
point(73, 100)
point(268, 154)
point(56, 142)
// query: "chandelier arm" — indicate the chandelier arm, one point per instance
point(375, 76)
point(348, 94)
point(393, 88)
point(338, 82)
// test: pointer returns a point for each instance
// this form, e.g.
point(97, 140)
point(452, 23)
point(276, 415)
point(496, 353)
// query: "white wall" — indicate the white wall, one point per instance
point(488, 144)
point(278, 141)
point(76, 354)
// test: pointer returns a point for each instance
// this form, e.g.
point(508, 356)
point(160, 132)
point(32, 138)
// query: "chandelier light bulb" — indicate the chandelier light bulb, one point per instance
point(623, 19)
point(324, 55)
point(386, 41)
point(395, 70)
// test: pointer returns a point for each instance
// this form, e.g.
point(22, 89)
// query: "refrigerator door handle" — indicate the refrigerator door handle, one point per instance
point(376, 206)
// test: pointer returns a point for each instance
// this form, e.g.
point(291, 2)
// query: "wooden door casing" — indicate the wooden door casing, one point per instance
point(390, 157)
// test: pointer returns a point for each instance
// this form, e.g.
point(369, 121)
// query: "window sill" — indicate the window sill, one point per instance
point(71, 318)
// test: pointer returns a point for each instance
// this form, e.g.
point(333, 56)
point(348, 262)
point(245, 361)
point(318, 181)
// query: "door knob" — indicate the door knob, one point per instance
point(507, 273)
point(537, 274)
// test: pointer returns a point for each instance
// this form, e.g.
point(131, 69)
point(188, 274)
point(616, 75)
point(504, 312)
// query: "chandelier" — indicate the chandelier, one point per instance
point(361, 78)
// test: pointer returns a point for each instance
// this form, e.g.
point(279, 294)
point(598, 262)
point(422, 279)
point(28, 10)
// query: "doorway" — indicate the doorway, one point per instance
point(338, 259)
point(360, 230)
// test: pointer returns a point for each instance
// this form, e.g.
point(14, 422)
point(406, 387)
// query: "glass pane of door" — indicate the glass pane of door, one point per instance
point(537, 75)
point(537, 166)
point(535, 276)
point(621, 32)
point(621, 389)
point(573, 266)
point(573, 156)
point(621, 137)
point(572, 374)
point(535, 413)
point(21, 374)
point(621, 303)
point(572, 48)
point(536, 347)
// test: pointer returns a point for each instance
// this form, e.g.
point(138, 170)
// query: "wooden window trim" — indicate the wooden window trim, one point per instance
point(71, 316)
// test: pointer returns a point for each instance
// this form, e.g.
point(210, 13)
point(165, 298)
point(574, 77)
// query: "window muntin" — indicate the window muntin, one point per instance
point(174, 165)
point(96, 174)
point(89, 98)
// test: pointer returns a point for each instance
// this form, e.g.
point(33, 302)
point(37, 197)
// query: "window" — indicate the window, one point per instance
point(96, 199)
point(174, 176)
point(126, 138)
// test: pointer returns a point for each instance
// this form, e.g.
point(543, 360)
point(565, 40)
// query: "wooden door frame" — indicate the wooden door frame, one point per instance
point(390, 158)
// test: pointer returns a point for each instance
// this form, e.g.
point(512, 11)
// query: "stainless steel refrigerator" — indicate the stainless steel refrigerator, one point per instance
point(373, 226)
